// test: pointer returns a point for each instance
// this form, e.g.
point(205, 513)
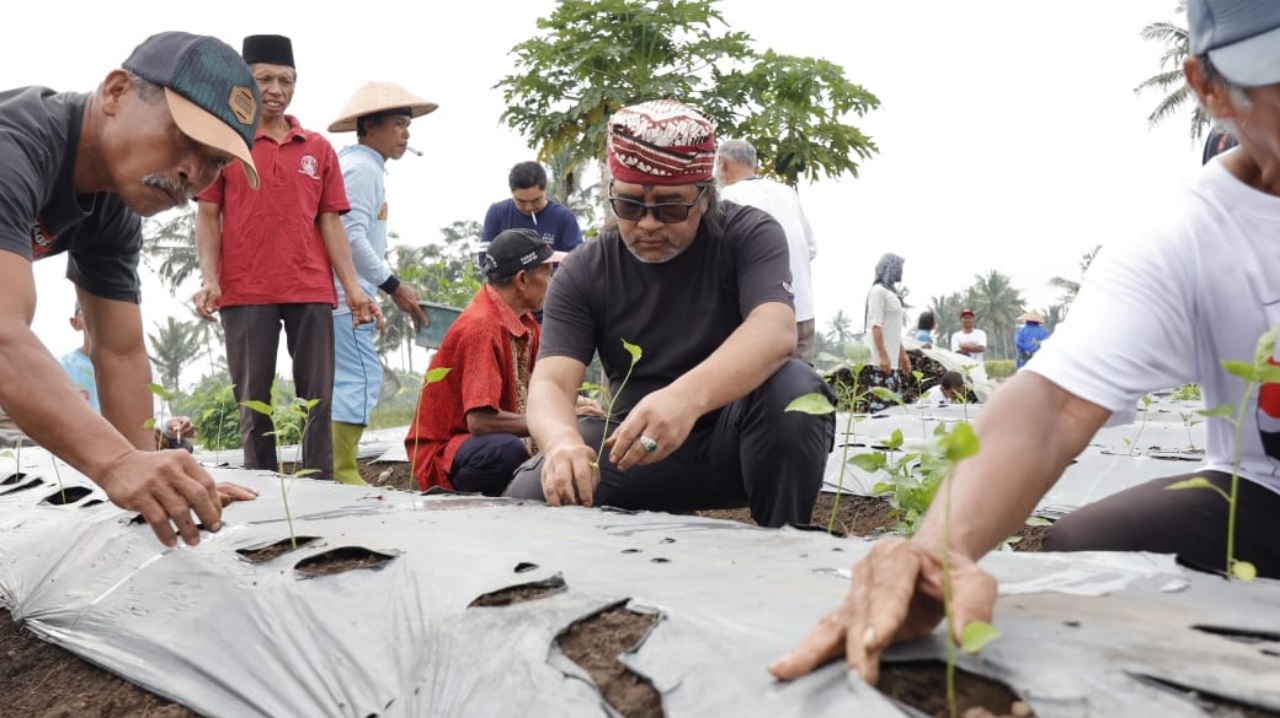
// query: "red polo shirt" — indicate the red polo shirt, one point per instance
point(483, 350)
point(272, 251)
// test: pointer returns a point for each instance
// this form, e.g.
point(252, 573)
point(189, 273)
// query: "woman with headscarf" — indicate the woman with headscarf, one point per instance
point(889, 363)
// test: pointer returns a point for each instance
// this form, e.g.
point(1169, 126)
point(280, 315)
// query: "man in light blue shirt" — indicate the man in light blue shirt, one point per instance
point(79, 366)
point(379, 113)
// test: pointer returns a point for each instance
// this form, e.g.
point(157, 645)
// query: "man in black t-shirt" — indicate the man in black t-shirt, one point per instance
point(702, 287)
point(76, 171)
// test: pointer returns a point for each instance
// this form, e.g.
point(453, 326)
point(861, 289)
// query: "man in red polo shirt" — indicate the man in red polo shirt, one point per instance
point(268, 257)
point(469, 431)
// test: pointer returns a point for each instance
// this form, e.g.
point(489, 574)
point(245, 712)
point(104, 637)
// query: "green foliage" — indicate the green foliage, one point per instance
point(213, 411)
point(815, 403)
point(1187, 392)
point(591, 58)
point(1000, 368)
point(169, 241)
point(1142, 425)
point(174, 346)
point(636, 353)
point(1253, 375)
point(1170, 80)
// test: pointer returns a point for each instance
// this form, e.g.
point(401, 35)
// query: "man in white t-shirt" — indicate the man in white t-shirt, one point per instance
point(736, 171)
point(969, 341)
point(1198, 287)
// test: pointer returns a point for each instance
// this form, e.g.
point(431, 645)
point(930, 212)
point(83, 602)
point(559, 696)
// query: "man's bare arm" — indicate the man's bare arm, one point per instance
point(121, 366)
point(494, 421)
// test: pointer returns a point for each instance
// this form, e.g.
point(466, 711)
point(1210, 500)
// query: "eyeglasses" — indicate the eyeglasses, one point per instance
point(665, 212)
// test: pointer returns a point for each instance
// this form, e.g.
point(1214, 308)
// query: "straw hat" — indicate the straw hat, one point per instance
point(376, 97)
point(1032, 316)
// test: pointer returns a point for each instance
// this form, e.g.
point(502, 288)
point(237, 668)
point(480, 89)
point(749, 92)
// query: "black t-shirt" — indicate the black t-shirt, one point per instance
point(40, 212)
point(677, 312)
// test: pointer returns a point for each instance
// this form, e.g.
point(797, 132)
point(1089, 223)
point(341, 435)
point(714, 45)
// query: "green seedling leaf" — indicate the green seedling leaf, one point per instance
point(634, 350)
point(1146, 400)
point(1240, 369)
point(919, 375)
point(1198, 482)
point(815, 403)
point(306, 472)
point(437, 374)
point(149, 423)
point(1265, 349)
point(1244, 570)
point(1037, 521)
point(588, 386)
point(882, 488)
point(886, 395)
point(829, 358)
point(870, 463)
point(1267, 373)
point(961, 443)
point(309, 404)
point(160, 391)
point(1221, 411)
point(258, 406)
point(895, 440)
point(976, 635)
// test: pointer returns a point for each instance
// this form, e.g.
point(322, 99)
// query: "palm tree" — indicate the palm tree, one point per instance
point(1071, 287)
point(840, 328)
point(172, 241)
point(564, 185)
point(946, 314)
point(1053, 316)
point(997, 306)
point(174, 347)
point(1170, 80)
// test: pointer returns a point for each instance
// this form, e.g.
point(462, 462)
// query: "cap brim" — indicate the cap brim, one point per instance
point(1250, 63)
point(207, 129)
point(347, 123)
point(555, 258)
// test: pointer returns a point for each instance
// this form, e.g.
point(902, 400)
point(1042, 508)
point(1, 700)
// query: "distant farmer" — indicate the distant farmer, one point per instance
point(268, 259)
point(76, 171)
point(469, 431)
point(736, 165)
point(889, 365)
point(703, 289)
point(380, 114)
point(952, 389)
point(969, 341)
point(925, 324)
point(530, 208)
point(1198, 286)
point(1029, 336)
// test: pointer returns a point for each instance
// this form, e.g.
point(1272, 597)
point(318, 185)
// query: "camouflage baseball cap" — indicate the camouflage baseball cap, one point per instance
point(209, 88)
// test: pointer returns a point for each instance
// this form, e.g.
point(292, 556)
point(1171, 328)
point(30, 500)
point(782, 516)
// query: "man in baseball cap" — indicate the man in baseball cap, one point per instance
point(703, 288)
point(1194, 289)
point(150, 136)
point(470, 431)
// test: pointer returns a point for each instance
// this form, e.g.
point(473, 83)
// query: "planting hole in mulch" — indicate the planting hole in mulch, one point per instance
point(339, 560)
point(34, 482)
point(922, 685)
point(1240, 634)
point(260, 554)
point(519, 594)
point(1211, 703)
point(595, 643)
point(12, 479)
point(69, 495)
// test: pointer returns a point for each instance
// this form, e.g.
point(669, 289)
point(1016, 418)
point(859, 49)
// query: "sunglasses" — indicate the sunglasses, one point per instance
point(665, 212)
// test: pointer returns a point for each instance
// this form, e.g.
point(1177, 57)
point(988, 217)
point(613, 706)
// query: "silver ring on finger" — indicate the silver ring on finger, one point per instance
point(649, 444)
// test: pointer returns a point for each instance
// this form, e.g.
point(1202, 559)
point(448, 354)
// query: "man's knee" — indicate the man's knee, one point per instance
point(793, 380)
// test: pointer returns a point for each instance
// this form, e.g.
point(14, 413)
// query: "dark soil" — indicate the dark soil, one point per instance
point(39, 680)
point(916, 684)
point(338, 560)
point(279, 548)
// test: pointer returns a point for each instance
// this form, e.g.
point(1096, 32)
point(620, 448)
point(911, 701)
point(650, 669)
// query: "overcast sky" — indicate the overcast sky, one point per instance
point(1010, 137)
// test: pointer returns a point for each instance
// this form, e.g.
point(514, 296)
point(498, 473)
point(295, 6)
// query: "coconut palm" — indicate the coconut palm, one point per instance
point(997, 305)
point(1071, 287)
point(171, 242)
point(1170, 80)
point(946, 314)
point(174, 346)
point(840, 328)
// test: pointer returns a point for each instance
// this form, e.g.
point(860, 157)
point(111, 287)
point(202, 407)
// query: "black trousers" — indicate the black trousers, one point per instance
point(750, 453)
point(485, 463)
point(1191, 523)
point(253, 340)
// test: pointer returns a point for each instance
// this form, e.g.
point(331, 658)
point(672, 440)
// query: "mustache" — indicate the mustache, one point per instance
point(178, 189)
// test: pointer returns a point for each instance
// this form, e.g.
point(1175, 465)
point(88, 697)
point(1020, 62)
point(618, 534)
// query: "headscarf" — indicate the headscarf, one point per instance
point(888, 274)
point(661, 142)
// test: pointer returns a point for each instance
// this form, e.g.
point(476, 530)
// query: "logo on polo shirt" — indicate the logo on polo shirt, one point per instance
point(41, 241)
point(309, 167)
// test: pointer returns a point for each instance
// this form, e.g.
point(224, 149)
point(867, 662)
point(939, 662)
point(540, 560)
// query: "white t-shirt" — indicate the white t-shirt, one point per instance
point(884, 310)
point(783, 204)
point(977, 336)
point(1199, 286)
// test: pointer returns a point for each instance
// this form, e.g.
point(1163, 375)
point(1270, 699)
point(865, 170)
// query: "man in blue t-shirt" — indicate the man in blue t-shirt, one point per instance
point(530, 208)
